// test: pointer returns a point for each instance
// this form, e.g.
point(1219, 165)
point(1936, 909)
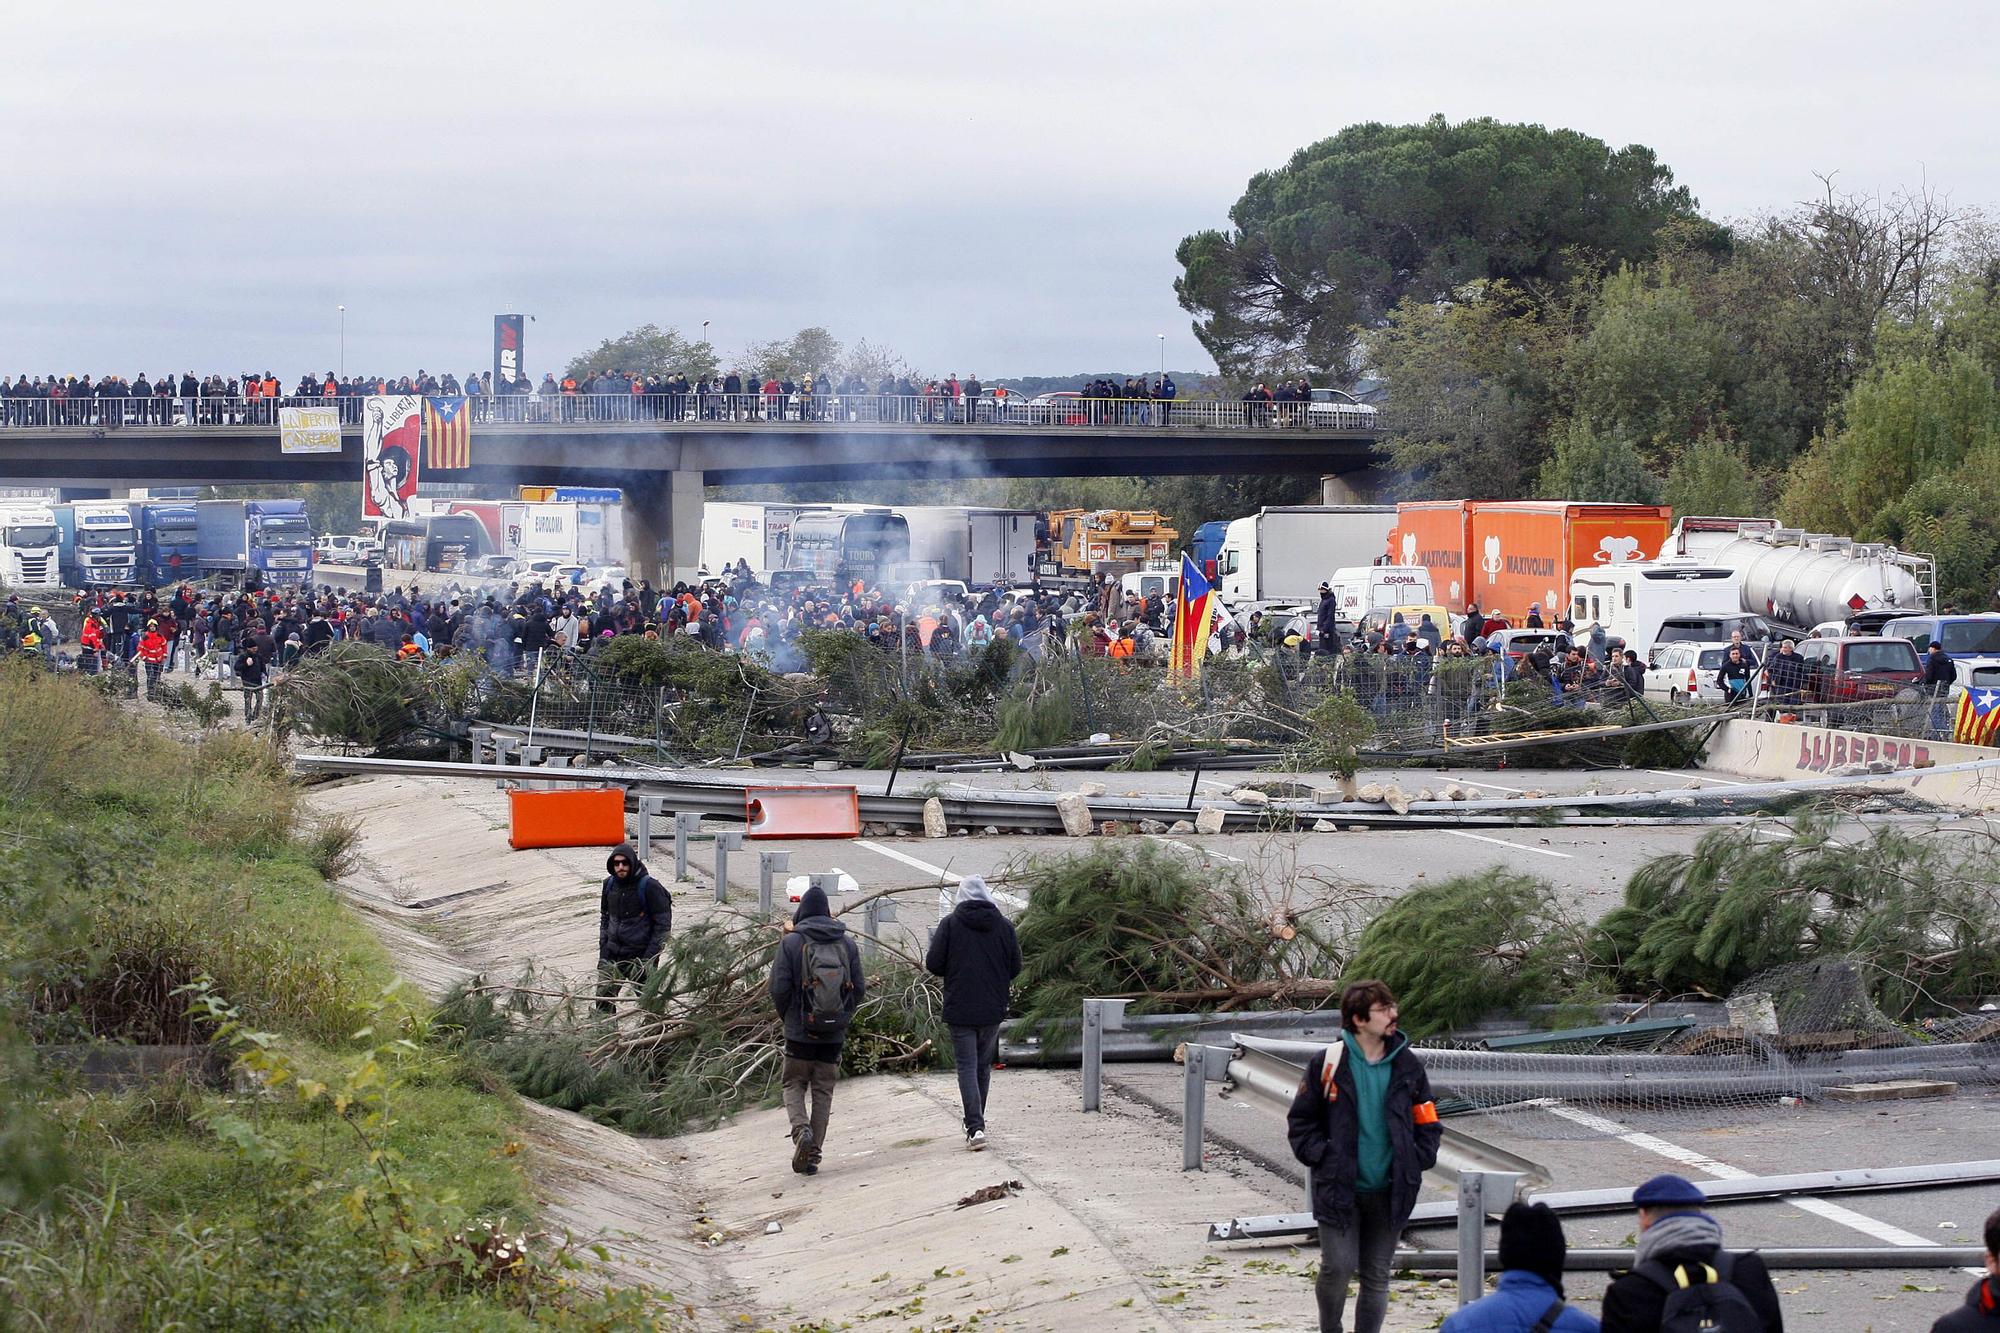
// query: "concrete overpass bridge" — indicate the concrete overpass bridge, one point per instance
point(663, 461)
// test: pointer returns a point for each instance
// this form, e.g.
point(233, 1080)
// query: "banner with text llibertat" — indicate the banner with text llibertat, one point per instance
point(390, 453)
point(309, 430)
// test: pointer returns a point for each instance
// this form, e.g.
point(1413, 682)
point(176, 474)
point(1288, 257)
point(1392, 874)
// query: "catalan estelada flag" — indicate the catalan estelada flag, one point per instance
point(1978, 716)
point(1194, 607)
point(448, 427)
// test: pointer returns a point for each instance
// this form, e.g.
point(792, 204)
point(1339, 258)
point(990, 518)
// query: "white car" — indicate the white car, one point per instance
point(1975, 673)
point(1687, 672)
point(591, 576)
point(1337, 406)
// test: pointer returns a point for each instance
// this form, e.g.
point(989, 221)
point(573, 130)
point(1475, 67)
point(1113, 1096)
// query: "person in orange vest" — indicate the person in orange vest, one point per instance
point(153, 652)
point(409, 652)
point(1123, 645)
point(331, 388)
point(91, 638)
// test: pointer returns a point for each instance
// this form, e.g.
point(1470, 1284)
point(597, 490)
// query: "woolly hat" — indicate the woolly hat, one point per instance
point(1531, 1240)
point(972, 889)
point(811, 903)
point(1669, 1191)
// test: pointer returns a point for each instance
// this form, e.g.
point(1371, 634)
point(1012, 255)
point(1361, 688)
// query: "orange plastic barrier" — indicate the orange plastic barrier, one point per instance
point(592, 817)
point(802, 812)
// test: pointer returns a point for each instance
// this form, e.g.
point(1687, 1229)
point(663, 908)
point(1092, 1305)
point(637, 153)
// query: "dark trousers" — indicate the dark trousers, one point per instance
point(814, 1077)
point(973, 1050)
point(614, 973)
point(1365, 1247)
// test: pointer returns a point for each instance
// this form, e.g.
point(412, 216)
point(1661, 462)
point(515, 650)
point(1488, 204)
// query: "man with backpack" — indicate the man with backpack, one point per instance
point(634, 917)
point(1364, 1124)
point(1529, 1298)
point(1684, 1280)
point(976, 952)
point(1981, 1311)
point(816, 984)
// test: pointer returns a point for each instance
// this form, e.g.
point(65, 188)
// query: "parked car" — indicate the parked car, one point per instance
point(1975, 673)
point(1688, 672)
point(1710, 629)
point(1330, 407)
point(1064, 407)
point(1856, 667)
point(1962, 636)
point(1518, 643)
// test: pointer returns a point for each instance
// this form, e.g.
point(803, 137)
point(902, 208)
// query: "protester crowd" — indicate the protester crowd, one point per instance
point(608, 394)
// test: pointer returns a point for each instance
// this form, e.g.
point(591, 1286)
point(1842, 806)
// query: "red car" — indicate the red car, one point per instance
point(1853, 668)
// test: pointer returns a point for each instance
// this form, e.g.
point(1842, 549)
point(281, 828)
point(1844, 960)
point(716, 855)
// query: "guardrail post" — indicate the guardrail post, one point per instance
point(725, 843)
point(642, 823)
point(482, 738)
point(875, 913)
point(1194, 1106)
point(827, 882)
point(769, 865)
point(1099, 1017)
point(1471, 1237)
point(685, 823)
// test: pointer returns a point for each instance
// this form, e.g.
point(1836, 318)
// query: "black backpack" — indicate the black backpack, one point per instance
point(825, 979)
point(1701, 1298)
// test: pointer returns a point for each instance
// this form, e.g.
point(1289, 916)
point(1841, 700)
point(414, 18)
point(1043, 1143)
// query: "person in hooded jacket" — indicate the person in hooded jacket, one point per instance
point(1529, 1296)
point(635, 914)
point(1981, 1311)
point(1364, 1123)
point(1679, 1246)
point(812, 1062)
point(976, 952)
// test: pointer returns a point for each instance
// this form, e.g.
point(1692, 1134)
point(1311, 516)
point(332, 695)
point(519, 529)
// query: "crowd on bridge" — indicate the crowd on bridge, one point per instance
point(253, 398)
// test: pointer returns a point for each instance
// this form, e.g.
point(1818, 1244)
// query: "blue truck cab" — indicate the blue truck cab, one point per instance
point(168, 550)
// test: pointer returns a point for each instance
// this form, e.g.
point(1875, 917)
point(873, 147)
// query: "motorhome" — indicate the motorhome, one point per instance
point(1632, 600)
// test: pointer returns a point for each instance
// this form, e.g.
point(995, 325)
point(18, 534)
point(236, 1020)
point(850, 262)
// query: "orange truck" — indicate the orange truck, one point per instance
point(1512, 555)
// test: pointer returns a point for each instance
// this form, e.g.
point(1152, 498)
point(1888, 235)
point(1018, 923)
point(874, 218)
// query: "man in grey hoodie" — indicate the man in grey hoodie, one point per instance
point(975, 951)
point(816, 985)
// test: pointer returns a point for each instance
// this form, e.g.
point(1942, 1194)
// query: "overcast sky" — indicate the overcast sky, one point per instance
point(993, 189)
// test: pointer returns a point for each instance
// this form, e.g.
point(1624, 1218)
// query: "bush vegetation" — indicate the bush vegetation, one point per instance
point(155, 891)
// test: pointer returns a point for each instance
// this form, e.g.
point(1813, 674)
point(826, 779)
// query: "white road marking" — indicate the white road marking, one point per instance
point(999, 895)
point(1698, 777)
point(1195, 847)
point(1490, 786)
point(1502, 842)
point(1688, 1157)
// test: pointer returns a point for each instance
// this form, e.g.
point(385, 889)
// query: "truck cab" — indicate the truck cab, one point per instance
point(280, 540)
point(168, 547)
point(99, 543)
point(30, 546)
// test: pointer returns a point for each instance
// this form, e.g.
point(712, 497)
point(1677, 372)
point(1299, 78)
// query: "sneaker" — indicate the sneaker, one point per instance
point(802, 1151)
point(976, 1141)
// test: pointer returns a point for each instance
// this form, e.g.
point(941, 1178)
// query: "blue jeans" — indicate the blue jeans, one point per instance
point(1365, 1248)
point(972, 1051)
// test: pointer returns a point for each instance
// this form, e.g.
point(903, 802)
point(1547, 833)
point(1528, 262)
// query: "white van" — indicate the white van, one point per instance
point(1360, 590)
point(1632, 600)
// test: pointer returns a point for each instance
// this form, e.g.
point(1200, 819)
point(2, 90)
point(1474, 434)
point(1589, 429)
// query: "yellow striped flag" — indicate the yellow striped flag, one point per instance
point(448, 427)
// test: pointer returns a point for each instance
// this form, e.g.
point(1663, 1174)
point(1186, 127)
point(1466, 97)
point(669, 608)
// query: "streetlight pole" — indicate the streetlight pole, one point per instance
point(1163, 354)
point(343, 342)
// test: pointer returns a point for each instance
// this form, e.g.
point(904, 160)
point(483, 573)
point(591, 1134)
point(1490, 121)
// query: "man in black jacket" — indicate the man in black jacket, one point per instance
point(634, 916)
point(816, 985)
point(1679, 1247)
point(1326, 628)
point(1364, 1124)
point(1981, 1311)
point(975, 951)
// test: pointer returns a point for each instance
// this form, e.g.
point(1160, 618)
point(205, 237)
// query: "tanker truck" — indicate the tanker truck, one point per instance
point(1799, 579)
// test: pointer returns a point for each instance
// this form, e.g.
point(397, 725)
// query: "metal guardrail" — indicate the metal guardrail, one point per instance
point(717, 410)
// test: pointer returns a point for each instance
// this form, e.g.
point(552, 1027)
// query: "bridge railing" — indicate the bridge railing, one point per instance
point(718, 409)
